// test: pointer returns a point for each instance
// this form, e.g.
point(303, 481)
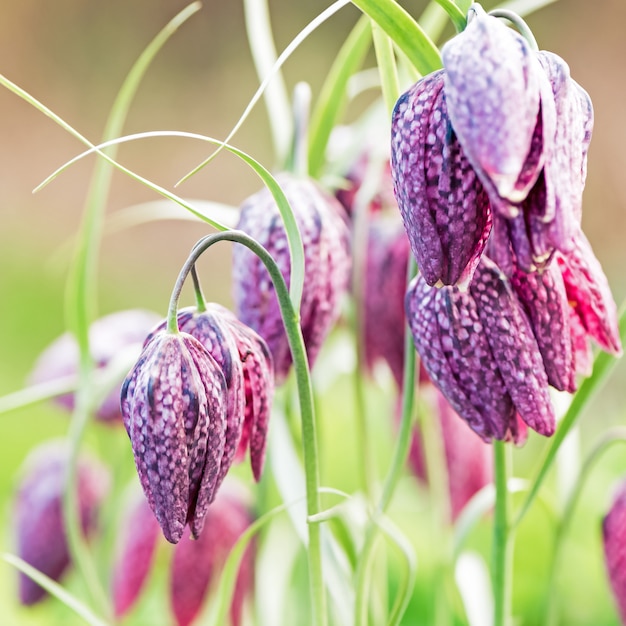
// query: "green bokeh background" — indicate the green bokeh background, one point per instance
point(73, 56)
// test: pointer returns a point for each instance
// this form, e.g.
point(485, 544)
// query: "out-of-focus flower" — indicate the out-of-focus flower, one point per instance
point(326, 241)
point(478, 347)
point(468, 458)
point(384, 288)
point(614, 535)
point(108, 337)
point(135, 551)
point(174, 404)
point(196, 564)
point(38, 519)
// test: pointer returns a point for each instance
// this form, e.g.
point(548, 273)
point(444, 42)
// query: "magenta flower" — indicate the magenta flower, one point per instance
point(384, 289)
point(326, 241)
point(614, 536)
point(108, 337)
point(174, 405)
point(38, 517)
point(198, 564)
point(134, 555)
point(479, 348)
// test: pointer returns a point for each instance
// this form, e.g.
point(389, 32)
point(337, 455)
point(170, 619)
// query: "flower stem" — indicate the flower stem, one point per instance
point(502, 538)
point(293, 331)
point(520, 25)
point(398, 461)
point(197, 288)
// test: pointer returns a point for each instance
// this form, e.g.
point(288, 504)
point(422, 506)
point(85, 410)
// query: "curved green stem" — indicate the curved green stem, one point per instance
point(502, 539)
point(611, 437)
point(398, 461)
point(520, 25)
point(197, 289)
point(293, 331)
point(602, 367)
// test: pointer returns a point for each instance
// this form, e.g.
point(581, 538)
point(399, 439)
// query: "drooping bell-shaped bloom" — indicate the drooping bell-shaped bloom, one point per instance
point(38, 518)
point(614, 536)
point(468, 458)
point(479, 348)
point(326, 239)
point(197, 564)
point(384, 289)
point(445, 209)
point(174, 405)
point(135, 550)
point(258, 379)
point(109, 336)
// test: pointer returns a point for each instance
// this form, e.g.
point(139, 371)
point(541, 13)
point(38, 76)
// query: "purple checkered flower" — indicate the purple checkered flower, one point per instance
point(614, 536)
point(479, 348)
point(38, 517)
point(491, 152)
point(174, 404)
point(109, 336)
point(326, 240)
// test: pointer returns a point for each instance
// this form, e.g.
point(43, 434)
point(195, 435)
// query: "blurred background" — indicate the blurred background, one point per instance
point(73, 56)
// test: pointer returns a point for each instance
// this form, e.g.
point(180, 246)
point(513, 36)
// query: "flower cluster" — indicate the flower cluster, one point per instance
point(194, 399)
point(489, 164)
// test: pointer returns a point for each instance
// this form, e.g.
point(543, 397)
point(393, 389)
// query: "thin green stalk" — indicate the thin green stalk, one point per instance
point(602, 367)
point(293, 331)
point(37, 393)
point(520, 25)
point(81, 306)
point(197, 289)
point(398, 461)
point(502, 538)
point(386, 62)
point(611, 437)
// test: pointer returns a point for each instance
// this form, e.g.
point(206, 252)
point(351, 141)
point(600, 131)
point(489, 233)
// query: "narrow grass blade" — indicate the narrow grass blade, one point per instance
point(333, 94)
point(406, 33)
point(298, 39)
point(54, 589)
point(457, 17)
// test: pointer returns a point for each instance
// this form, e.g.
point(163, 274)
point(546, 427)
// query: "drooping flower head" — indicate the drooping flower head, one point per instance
point(109, 336)
point(325, 238)
point(38, 518)
point(174, 404)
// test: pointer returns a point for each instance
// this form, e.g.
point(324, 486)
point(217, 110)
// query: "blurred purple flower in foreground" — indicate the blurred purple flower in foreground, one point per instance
point(196, 564)
point(326, 240)
point(108, 337)
point(614, 536)
point(38, 517)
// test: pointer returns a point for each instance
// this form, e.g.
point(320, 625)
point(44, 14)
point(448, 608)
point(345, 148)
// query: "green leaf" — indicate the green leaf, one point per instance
point(456, 15)
point(386, 61)
point(54, 589)
point(291, 228)
point(406, 33)
point(333, 94)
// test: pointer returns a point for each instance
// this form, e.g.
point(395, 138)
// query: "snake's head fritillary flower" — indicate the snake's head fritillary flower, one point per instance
point(196, 564)
point(325, 237)
point(135, 554)
point(614, 536)
point(478, 347)
point(445, 209)
point(384, 287)
point(210, 328)
point(174, 405)
point(38, 517)
point(109, 336)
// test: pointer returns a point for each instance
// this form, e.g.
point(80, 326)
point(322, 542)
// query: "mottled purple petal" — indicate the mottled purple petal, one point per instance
point(514, 347)
point(590, 295)
point(492, 88)
point(614, 538)
point(444, 207)
point(545, 302)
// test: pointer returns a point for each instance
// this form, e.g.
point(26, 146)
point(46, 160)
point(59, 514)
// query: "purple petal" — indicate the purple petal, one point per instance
point(514, 347)
point(444, 207)
point(614, 536)
point(492, 88)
